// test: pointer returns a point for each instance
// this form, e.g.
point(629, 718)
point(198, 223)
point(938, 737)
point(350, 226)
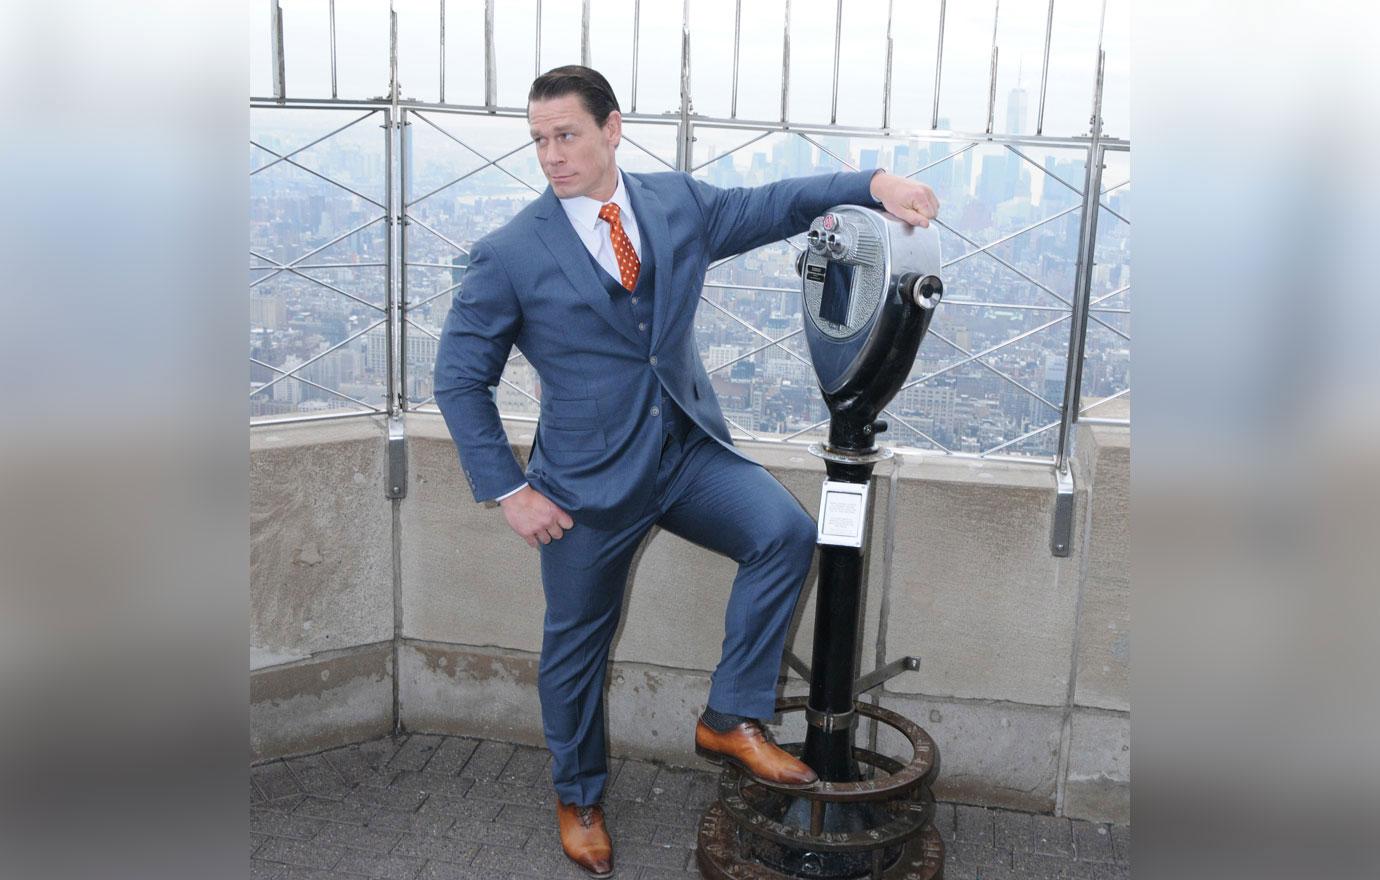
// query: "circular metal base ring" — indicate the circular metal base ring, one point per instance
point(819, 450)
point(719, 854)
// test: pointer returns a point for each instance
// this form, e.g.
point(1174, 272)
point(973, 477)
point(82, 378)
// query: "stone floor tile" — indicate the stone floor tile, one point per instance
point(634, 781)
point(432, 783)
point(530, 817)
point(648, 855)
point(671, 786)
point(979, 854)
point(466, 809)
point(275, 780)
point(412, 822)
point(1014, 830)
point(1053, 836)
point(431, 847)
point(356, 837)
point(387, 796)
point(492, 833)
point(665, 835)
point(259, 870)
point(450, 755)
point(527, 766)
point(318, 777)
point(365, 762)
point(305, 853)
point(275, 824)
point(1092, 842)
point(1121, 843)
point(974, 825)
point(414, 752)
point(449, 871)
point(386, 867)
point(487, 761)
point(349, 812)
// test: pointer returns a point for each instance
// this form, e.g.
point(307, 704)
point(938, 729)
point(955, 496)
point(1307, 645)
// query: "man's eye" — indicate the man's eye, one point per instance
point(568, 135)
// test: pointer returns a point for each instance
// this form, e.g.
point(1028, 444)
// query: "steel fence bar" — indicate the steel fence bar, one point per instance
point(319, 174)
point(336, 240)
point(785, 61)
point(992, 71)
point(737, 31)
point(647, 151)
point(442, 49)
point(886, 82)
point(490, 60)
point(323, 417)
point(316, 357)
point(824, 149)
point(305, 381)
point(637, 39)
point(584, 33)
point(732, 151)
point(1087, 246)
point(276, 50)
point(898, 418)
point(838, 44)
point(938, 65)
point(1044, 70)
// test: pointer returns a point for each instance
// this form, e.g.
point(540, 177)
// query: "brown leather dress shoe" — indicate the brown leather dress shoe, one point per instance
point(749, 748)
point(585, 839)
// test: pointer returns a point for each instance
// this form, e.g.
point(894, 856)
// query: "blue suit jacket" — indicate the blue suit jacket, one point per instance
point(533, 285)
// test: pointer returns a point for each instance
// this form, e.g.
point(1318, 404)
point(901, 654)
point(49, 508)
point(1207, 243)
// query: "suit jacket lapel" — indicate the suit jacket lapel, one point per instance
point(572, 256)
point(656, 237)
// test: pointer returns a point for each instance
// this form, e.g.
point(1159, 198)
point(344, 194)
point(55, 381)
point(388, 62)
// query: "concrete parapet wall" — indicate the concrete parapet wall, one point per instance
point(1024, 655)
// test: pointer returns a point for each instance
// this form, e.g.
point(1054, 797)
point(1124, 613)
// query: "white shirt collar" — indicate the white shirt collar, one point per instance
point(583, 211)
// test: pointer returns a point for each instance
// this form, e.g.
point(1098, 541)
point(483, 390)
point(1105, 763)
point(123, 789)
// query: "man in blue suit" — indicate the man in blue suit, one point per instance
point(597, 282)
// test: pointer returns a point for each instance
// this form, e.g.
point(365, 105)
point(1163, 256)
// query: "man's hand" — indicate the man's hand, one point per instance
point(533, 516)
point(908, 200)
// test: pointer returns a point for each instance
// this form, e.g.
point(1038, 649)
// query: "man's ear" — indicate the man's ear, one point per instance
point(613, 127)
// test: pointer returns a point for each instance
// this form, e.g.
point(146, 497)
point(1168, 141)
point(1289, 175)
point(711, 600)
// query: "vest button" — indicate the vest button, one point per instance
point(656, 411)
point(653, 356)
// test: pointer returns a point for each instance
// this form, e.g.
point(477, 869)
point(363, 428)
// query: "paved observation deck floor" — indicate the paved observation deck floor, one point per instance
point(422, 807)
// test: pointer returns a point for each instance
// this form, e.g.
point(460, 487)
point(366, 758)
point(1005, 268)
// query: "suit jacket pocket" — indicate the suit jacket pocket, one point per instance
point(564, 445)
point(569, 414)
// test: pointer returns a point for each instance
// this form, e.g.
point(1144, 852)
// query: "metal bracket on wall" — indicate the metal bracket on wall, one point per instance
point(1061, 532)
point(797, 664)
point(397, 458)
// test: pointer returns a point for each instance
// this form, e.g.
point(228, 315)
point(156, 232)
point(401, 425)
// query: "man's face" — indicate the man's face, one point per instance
point(576, 155)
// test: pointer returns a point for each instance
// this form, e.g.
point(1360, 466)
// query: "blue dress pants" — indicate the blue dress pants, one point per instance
point(715, 499)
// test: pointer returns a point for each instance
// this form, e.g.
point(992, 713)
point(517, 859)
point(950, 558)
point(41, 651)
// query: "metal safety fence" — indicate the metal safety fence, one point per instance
point(365, 207)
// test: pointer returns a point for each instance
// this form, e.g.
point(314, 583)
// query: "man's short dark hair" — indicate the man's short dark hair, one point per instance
point(574, 79)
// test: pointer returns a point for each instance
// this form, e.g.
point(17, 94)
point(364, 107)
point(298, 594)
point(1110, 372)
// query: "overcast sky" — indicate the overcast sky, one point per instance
point(362, 55)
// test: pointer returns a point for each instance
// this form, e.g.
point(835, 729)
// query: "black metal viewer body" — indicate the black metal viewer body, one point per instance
point(870, 285)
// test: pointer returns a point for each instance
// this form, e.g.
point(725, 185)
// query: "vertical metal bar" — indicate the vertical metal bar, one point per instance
point(392, 54)
point(443, 51)
point(686, 138)
point(389, 297)
point(786, 62)
point(584, 34)
point(536, 61)
point(334, 93)
point(637, 35)
point(886, 84)
point(276, 50)
point(938, 64)
point(404, 157)
point(1044, 71)
point(838, 37)
point(1087, 245)
point(737, 31)
point(992, 73)
point(490, 71)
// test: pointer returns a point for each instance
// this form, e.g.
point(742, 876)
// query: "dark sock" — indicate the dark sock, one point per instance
point(721, 722)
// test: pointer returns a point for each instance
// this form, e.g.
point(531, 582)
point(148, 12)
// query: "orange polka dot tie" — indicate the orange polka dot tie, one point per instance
point(628, 264)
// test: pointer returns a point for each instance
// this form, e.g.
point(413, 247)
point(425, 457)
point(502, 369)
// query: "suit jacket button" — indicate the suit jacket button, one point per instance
point(656, 411)
point(654, 360)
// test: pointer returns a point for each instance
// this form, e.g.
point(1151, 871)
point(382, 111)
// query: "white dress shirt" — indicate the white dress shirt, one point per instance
point(583, 213)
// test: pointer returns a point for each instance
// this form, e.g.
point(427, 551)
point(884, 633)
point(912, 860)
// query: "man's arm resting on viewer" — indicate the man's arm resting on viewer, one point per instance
point(480, 330)
point(742, 218)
